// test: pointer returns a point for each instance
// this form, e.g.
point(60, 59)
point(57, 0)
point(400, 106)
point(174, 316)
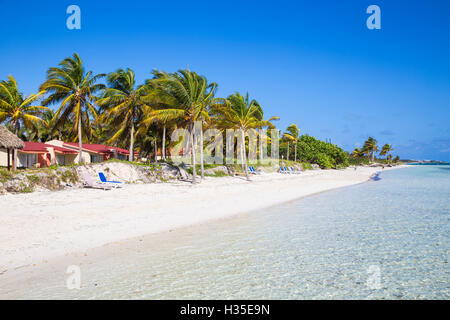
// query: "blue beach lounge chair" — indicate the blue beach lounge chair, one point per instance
point(282, 170)
point(286, 170)
point(102, 177)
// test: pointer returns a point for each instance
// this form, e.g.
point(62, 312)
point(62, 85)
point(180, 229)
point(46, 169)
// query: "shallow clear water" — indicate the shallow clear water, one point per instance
point(385, 239)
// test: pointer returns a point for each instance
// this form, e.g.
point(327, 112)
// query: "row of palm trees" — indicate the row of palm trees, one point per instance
point(121, 112)
point(370, 148)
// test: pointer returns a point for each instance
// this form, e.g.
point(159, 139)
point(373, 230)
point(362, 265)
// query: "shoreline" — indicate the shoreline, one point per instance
point(40, 227)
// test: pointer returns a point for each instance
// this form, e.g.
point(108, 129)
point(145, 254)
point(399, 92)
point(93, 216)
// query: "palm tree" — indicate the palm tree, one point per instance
point(263, 123)
point(386, 149)
point(237, 112)
point(17, 110)
point(292, 134)
point(73, 88)
point(124, 104)
point(370, 147)
point(357, 153)
point(188, 96)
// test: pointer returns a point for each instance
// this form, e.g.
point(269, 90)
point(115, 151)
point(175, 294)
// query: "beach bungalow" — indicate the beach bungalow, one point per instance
point(37, 154)
point(9, 143)
point(93, 153)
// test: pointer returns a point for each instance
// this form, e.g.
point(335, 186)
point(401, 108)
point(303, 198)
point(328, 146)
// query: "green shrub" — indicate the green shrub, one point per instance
point(5, 175)
point(307, 166)
point(326, 155)
point(33, 179)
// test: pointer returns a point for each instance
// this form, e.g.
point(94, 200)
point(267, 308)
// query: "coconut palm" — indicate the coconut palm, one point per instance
point(357, 153)
point(370, 147)
point(16, 109)
point(73, 88)
point(237, 112)
point(386, 149)
point(187, 96)
point(263, 123)
point(124, 104)
point(292, 134)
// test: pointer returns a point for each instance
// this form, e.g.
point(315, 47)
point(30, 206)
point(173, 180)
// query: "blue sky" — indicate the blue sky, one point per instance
point(313, 63)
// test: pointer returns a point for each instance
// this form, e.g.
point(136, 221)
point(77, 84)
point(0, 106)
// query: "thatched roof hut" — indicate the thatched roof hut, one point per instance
point(10, 142)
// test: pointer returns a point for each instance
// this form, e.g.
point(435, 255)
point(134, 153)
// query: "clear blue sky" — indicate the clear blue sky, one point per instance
point(313, 63)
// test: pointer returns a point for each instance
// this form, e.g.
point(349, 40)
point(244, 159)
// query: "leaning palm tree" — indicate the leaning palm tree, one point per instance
point(72, 88)
point(357, 153)
point(17, 110)
point(370, 147)
point(189, 96)
point(237, 112)
point(386, 149)
point(124, 104)
point(293, 134)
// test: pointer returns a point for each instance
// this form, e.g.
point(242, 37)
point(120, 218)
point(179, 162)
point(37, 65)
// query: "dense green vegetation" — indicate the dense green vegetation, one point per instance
point(326, 155)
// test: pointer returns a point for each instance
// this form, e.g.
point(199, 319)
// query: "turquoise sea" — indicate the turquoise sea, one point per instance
point(385, 239)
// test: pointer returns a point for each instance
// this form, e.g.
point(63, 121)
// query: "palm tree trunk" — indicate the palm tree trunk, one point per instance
point(287, 155)
point(201, 153)
point(131, 157)
point(295, 150)
point(241, 154)
point(260, 146)
point(194, 169)
point(9, 159)
point(156, 155)
point(15, 150)
point(80, 142)
point(163, 147)
point(244, 155)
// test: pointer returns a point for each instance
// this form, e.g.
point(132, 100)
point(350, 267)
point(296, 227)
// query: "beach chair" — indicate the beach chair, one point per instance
point(114, 184)
point(88, 182)
point(287, 171)
point(283, 170)
point(251, 170)
point(294, 171)
point(254, 171)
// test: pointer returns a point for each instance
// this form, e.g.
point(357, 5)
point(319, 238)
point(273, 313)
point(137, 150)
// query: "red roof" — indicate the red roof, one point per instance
point(39, 147)
point(98, 148)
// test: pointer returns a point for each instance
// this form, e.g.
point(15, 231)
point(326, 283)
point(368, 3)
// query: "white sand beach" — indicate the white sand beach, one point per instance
point(37, 227)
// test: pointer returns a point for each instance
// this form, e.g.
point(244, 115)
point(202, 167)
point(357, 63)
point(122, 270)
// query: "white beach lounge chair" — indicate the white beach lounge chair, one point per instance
point(88, 182)
point(256, 171)
point(292, 170)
